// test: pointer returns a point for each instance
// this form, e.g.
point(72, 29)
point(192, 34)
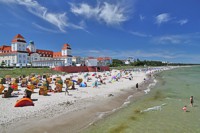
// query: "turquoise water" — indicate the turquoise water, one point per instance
point(170, 94)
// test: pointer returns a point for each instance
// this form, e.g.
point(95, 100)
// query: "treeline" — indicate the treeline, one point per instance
point(117, 63)
point(148, 63)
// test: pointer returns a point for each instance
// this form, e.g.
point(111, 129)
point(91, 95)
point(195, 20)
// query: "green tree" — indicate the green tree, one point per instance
point(3, 63)
point(116, 63)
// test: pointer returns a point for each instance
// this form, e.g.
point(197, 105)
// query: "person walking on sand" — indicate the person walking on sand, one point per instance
point(137, 85)
point(191, 101)
point(66, 90)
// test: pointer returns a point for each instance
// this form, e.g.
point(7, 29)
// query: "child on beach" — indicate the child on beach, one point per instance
point(191, 101)
point(185, 108)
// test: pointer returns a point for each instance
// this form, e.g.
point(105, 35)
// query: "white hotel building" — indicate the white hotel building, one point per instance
point(21, 54)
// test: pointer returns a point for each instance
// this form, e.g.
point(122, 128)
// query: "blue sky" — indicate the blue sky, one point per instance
point(166, 30)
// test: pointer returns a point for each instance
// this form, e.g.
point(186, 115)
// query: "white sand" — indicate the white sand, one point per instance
point(59, 103)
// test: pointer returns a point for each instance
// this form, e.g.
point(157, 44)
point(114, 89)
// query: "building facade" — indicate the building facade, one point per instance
point(21, 54)
point(104, 61)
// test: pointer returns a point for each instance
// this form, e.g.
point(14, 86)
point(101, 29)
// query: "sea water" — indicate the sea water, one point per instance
point(159, 111)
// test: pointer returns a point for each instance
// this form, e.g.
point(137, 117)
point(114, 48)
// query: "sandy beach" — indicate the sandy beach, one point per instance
point(59, 112)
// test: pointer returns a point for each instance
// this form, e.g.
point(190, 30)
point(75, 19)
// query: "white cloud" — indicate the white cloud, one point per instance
point(94, 51)
point(189, 39)
point(183, 21)
point(140, 34)
point(142, 17)
point(162, 18)
point(127, 53)
point(111, 14)
point(44, 28)
point(57, 19)
point(124, 53)
point(85, 10)
point(169, 39)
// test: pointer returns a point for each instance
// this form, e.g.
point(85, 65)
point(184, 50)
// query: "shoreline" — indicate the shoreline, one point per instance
point(129, 97)
point(74, 113)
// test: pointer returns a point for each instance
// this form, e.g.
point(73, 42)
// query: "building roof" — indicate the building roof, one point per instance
point(100, 59)
point(107, 58)
point(18, 38)
point(66, 46)
point(44, 53)
point(57, 54)
point(5, 48)
point(103, 58)
point(91, 57)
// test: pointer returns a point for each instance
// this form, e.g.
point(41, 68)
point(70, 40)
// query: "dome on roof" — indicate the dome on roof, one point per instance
point(31, 42)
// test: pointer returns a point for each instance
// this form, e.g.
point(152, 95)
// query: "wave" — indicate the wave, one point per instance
point(150, 86)
point(155, 108)
point(100, 115)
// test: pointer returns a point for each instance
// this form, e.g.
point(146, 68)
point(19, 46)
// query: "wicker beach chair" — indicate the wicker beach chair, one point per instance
point(1, 88)
point(8, 92)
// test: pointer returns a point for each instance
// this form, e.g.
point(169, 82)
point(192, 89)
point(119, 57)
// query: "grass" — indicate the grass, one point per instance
point(15, 72)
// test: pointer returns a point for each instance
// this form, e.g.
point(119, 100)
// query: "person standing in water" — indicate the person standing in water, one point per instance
point(191, 101)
